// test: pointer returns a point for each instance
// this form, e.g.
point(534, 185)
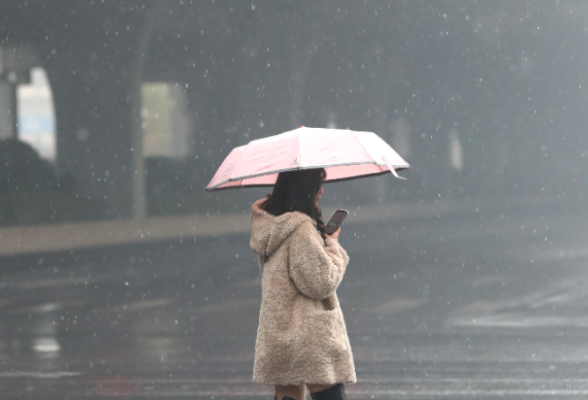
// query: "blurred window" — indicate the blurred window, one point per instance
point(36, 114)
point(165, 123)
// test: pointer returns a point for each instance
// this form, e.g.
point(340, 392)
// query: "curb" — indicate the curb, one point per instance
point(83, 235)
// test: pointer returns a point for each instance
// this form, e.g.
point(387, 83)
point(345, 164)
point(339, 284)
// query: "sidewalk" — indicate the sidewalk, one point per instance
point(69, 236)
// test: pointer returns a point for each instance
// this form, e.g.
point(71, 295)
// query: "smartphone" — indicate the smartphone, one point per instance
point(335, 221)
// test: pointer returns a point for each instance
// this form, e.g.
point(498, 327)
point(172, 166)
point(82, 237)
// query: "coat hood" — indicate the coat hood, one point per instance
point(268, 232)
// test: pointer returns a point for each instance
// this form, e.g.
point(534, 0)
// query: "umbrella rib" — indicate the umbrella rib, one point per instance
point(238, 161)
point(367, 152)
point(232, 169)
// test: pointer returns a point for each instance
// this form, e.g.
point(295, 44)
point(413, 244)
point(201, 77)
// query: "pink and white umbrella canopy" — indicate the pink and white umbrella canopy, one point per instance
point(345, 154)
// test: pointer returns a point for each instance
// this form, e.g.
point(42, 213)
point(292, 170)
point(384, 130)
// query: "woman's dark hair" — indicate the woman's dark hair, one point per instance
point(297, 191)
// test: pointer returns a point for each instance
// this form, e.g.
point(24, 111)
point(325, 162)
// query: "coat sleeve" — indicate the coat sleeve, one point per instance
point(315, 269)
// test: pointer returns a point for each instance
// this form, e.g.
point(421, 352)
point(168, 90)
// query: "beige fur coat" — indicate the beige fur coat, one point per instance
point(301, 336)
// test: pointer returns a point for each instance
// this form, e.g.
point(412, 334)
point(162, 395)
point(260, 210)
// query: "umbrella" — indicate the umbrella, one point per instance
point(343, 153)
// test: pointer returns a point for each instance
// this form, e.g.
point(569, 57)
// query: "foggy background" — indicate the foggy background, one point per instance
point(130, 107)
point(121, 277)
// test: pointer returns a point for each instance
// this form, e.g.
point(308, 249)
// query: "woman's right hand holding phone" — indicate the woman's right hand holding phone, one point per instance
point(335, 235)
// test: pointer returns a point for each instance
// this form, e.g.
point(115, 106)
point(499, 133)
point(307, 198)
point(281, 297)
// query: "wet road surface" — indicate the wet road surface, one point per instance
point(483, 305)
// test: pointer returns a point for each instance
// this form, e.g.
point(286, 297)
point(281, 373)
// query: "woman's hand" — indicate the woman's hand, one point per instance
point(335, 235)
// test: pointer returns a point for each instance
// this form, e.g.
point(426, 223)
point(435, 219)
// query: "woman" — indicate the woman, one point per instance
point(301, 340)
